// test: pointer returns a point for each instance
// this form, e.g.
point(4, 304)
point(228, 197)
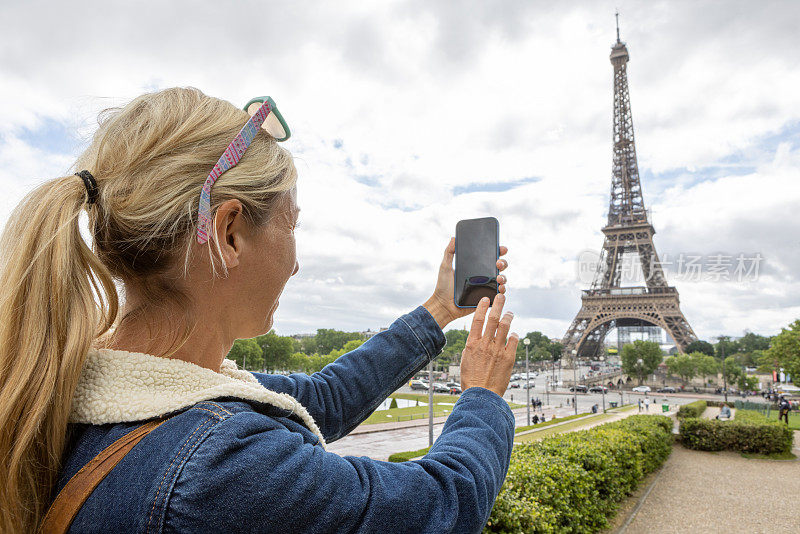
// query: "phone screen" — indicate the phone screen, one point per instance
point(477, 250)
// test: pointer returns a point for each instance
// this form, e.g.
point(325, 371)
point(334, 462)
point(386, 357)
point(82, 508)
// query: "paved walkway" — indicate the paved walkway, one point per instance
point(405, 437)
point(720, 493)
point(380, 440)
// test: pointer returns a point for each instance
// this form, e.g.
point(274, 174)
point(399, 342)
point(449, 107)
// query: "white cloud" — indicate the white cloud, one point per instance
point(425, 97)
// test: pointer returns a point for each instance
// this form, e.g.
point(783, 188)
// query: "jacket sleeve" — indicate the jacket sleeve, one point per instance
point(347, 391)
point(250, 475)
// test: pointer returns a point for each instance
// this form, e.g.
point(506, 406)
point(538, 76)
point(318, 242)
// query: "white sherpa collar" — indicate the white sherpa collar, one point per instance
point(118, 386)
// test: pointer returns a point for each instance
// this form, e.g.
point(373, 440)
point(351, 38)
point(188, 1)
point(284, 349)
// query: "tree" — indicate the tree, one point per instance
point(705, 364)
point(700, 346)
point(767, 362)
point(785, 350)
point(683, 365)
point(725, 347)
point(751, 342)
point(246, 352)
point(647, 351)
point(328, 340)
point(277, 350)
point(747, 383)
point(456, 339)
point(537, 340)
point(731, 370)
point(556, 350)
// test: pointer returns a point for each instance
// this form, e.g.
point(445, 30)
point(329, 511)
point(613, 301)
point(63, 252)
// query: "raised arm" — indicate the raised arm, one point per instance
point(292, 485)
point(347, 391)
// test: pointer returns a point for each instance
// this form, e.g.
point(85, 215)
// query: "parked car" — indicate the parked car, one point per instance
point(526, 385)
point(438, 387)
point(598, 389)
point(667, 389)
point(515, 376)
point(580, 388)
point(418, 384)
point(514, 385)
point(453, 384)
point(455, 390)
point(641, 389)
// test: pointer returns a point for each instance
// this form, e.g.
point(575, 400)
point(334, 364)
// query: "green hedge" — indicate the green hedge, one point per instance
point(574, 482)
point(749, 432)
point(693, 409)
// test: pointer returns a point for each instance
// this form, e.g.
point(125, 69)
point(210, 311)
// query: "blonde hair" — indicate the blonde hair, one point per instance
point(58, 296)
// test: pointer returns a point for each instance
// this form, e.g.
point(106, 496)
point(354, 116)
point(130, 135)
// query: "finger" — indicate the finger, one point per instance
point(501, 279)
point(501, 289)
point(494, 316)
point(502, 264)
point(511, 346)
point(503, 251)
point(478, 319)
point(503, 328)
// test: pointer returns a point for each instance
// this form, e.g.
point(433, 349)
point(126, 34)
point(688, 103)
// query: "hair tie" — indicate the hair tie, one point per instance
point(91, 185)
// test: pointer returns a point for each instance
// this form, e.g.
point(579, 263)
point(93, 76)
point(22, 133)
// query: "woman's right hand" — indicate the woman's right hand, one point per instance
point(488, 357)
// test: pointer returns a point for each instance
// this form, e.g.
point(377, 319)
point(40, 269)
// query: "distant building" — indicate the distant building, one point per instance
point(369, 333)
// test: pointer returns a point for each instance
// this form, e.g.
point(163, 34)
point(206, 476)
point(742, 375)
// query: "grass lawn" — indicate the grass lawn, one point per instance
point(548, 423)
point(534, 436)
point(794, 419)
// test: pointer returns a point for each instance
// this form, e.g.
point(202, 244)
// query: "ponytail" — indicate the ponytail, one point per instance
point(56, 298)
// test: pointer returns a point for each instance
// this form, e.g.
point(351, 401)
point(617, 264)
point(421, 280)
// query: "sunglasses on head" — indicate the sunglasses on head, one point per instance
point(263, 114)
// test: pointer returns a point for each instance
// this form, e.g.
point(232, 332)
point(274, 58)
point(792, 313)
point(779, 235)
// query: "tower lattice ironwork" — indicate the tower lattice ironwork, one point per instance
point(607, 304)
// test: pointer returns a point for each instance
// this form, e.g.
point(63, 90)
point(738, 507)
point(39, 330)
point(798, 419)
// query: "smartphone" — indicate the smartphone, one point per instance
point(477, 251)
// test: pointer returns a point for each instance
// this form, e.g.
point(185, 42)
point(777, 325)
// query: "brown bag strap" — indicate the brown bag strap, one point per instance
point(69, 500)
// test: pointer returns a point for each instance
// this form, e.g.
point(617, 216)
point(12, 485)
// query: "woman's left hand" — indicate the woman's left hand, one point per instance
point(441, 305)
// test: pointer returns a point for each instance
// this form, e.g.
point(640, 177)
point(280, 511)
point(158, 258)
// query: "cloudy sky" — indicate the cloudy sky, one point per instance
point(410, 115)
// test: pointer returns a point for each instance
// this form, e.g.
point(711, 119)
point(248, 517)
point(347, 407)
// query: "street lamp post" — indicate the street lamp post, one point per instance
point(527, 343)
point(603, 386)
point(575, 379)
point(724, 378)
point(430, 404)
point(547, 391)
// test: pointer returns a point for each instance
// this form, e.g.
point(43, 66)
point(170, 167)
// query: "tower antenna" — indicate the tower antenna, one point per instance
point(617, 16)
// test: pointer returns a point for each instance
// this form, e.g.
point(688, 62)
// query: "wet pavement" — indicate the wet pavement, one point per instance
point(379, 445)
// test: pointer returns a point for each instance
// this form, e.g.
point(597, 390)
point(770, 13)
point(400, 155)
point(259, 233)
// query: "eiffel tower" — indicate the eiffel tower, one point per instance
point(607, 305)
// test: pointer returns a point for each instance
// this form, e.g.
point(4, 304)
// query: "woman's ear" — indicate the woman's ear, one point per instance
point(230, 227)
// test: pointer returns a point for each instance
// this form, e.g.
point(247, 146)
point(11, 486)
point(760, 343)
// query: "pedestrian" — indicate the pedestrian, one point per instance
point(640, 405)
point(512, 397)
point(784, 407)
point(122, 345)
point(647, 404)
point(535, 419)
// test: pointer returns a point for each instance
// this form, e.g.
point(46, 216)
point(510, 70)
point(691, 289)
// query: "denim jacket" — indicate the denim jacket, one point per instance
point(235, 463)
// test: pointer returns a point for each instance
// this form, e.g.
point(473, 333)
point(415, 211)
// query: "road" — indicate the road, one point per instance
point(379, 445)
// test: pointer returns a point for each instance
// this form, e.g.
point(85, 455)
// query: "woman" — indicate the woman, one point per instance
point(201, 264)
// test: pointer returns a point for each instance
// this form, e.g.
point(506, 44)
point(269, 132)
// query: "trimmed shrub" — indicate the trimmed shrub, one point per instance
point(749, 432)
point(574, 482)
point(693, 409)
point(393, 404)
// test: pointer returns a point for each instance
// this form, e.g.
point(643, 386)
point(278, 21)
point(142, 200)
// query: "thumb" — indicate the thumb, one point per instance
point(449, 252)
